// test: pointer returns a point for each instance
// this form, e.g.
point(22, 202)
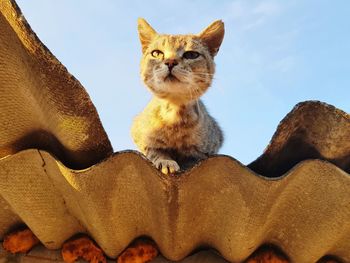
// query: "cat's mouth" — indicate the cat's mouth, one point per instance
point(171, 78)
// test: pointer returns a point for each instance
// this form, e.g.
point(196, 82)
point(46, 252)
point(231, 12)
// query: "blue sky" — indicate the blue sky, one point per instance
point(274, 55)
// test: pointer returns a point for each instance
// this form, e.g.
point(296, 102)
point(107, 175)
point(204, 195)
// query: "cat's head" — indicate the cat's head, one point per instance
point(179, 68)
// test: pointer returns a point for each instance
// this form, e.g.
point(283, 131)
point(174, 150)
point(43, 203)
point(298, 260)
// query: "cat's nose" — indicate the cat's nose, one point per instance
point(171, 63)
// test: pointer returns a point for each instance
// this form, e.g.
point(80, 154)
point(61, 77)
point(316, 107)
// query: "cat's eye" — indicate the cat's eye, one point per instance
point(157, 53)
point(191, 55)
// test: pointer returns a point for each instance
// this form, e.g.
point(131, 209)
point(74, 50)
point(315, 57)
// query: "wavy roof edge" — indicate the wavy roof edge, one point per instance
point(109, 199)
point(312, 130)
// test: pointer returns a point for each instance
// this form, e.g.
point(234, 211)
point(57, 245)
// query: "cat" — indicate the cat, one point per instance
point(175, 127)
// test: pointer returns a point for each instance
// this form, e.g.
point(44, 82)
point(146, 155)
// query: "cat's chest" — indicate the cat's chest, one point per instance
point(177, 136)
point(177, 130)
point(174, 127)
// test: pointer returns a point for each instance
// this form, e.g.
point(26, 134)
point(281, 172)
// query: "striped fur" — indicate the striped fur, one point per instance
point(175, 127)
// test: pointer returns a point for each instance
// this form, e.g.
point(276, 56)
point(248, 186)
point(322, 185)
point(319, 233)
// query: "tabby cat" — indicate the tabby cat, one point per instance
point(175, 127)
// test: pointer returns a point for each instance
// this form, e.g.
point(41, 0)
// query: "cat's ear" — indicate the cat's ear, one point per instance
point(213, 35)
point(146, 33)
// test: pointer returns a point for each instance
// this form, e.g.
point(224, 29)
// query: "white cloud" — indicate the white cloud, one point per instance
point(267, 8)
point(251, 14)
point(285, 64)
point(254, 24)
point(236, 10)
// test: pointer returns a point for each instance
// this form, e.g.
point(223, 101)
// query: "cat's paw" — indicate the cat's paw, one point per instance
point(167, 166)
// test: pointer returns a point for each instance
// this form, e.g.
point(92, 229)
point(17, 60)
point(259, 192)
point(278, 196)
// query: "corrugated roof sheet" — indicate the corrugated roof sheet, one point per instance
point(312, 130)
point(42, 105)
point(296, 195)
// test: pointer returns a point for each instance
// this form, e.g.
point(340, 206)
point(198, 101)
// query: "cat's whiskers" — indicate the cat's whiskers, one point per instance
point(203, 73)
point(154, 79)
point(206, 78)
point(183, 75)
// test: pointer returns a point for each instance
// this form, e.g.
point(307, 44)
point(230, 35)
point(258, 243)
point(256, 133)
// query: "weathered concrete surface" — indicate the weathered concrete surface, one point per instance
point(42, 105)
point(220, 203)
point(312, 130)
